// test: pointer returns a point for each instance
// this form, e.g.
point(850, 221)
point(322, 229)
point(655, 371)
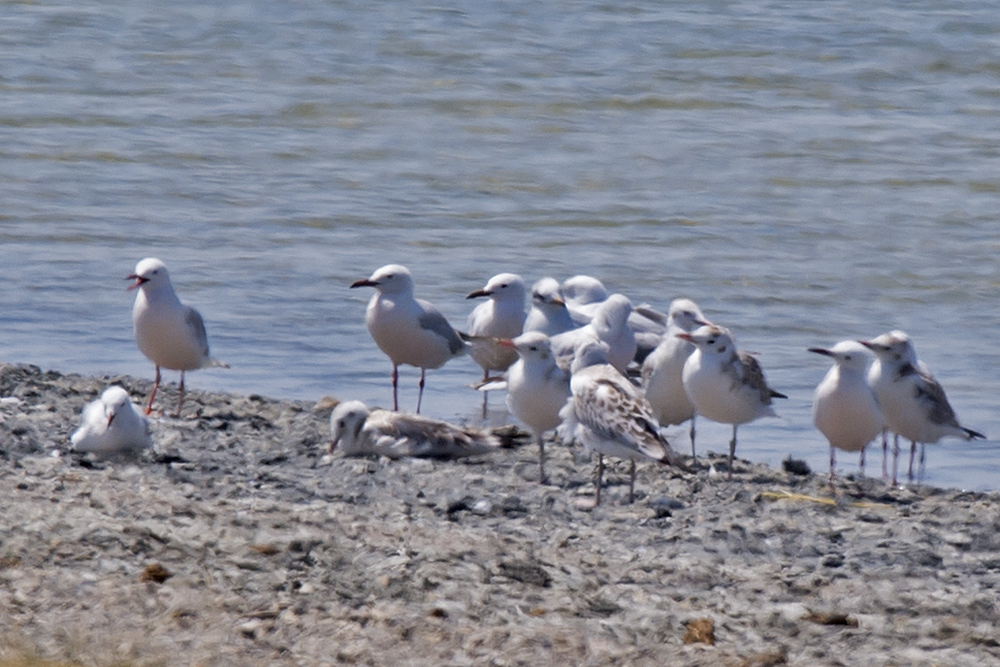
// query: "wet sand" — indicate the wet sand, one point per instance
point(239, 541)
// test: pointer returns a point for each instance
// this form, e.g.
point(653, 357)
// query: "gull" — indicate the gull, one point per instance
point(725, 384)
point(583, 294)
point(548, 314)
point(360, 431)
point(610, 416)
point(913, 402)
point(500, 317)
point(609, 325)
point(845, 408)
point(112, 425)
point(663, 369)
point(408, 330)
point(168, 332)
point(537, 388)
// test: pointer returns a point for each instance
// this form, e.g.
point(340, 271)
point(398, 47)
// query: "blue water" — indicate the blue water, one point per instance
point(807, 172)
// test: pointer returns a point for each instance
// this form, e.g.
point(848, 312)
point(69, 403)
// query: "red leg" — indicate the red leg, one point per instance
point(420, 394)
point(152, 394)
point(600, 478)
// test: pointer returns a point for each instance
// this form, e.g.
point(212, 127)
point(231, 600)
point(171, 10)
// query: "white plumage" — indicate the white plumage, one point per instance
point(112, 424)
point(913, 402)
point(408, 330)
point(169, 333)
point(359, 431)
point(548, 314)
point(845, 409)
point(725, 384)
point(501, 316)
point(663, 369)
point(608, 325)
point(537, 388)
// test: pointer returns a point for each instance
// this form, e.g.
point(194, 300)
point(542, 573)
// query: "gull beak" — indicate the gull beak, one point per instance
point(367, 282)
point(557, 302)
point(139, 280)
point(506, 342)
point(111, 418)
point(867, 344)
point(333, 445)
point(478, 293)
point(702, 323)
point(819, 350)
point(686, 336)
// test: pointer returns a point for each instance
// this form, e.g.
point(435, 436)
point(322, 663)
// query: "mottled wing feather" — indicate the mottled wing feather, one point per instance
point(614, 410)
point(749, 373)
point(433, 320)
point(413, 435)
point(931, 395)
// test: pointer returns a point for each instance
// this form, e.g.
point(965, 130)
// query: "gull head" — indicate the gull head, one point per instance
point(847, 354)
point(346, 422)
point(533, 345)
point(614, 312)
point(711, 339)
point(546, 292)
point(581, 290)
point(390, 279)
point(685, 315)
point(892, 347)
point(115, 401)
point(590, 352)
point(149, 272)
point(502, 287)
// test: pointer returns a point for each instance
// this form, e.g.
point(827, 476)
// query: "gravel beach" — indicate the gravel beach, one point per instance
point(240, 541)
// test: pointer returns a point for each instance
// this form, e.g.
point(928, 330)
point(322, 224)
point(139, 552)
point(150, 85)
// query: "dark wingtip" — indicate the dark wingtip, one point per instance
point(974, 435)
point(777, 394)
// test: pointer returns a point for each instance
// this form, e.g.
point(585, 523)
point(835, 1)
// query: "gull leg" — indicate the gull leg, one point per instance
point(921, 469)
point(895, 457)
point(395, 388)
point(541, 458)
point(732, 452)
point(180, 400)
point(913, 452)
point(486, 394)
point(420, 394)
point(861, 463)
point(885, 453)
point(600, 478)
point(152, 394)
point(693, 454)
point(631, 483)
point(833, 464)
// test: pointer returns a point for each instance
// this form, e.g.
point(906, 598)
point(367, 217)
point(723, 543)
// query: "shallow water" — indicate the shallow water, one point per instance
point(807, 172)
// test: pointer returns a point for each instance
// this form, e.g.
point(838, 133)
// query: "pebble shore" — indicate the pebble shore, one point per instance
point(240, 541)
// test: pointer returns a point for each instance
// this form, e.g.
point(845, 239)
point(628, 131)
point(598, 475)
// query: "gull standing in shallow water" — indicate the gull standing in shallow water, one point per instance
point(408, 330)
point(537, 388)
point(609, 415)
point(501, 316)
point(663, 369)
point(725, 384)
point(360, 431)
point(913, 402)
point(112, 425)
point(170, 334)
point(845, 409)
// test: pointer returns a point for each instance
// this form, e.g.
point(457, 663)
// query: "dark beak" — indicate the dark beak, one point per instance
point(478, 293)
point(364, 283)
point(819, 350)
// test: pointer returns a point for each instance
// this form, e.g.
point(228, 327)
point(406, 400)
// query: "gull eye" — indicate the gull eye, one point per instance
point(342, 424)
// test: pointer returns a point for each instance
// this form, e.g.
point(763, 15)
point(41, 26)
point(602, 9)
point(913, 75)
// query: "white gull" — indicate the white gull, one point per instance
point(724, 384)
point(112, 424)
point(537, 388)
point(548, 314)
point(845, 408)
point(408, 330)
point(168, 332)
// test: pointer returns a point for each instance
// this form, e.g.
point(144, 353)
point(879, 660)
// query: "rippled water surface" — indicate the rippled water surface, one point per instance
point(807, 172)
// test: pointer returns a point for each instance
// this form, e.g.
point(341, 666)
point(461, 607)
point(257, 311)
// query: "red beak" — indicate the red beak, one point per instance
point(506, 342)
point(139, 280)
point(686, 336)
